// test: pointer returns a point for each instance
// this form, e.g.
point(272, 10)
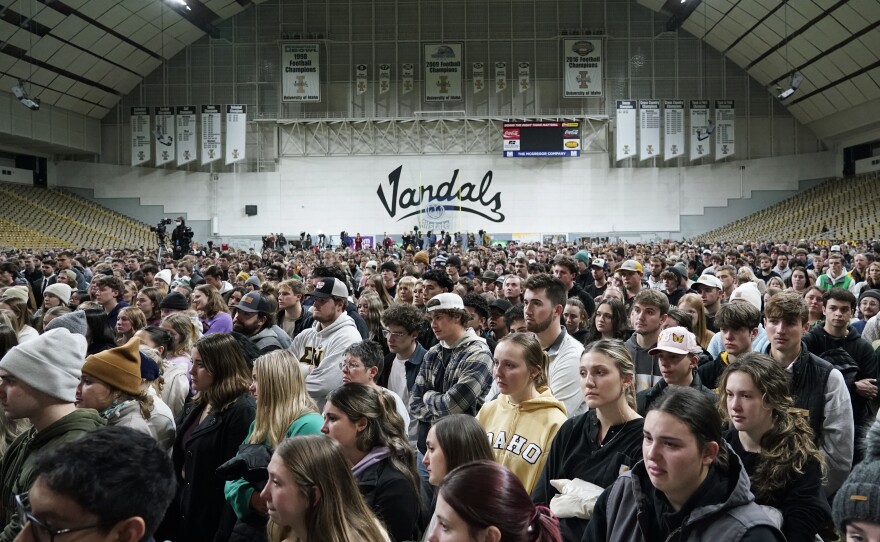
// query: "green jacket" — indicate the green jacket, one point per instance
point(17, 467)
point(238, 492)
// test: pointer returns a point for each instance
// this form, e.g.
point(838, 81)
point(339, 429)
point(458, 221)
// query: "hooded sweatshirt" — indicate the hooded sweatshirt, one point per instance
point(17, 468)
point(647, 366)
point(320, 349)
point(520, 434)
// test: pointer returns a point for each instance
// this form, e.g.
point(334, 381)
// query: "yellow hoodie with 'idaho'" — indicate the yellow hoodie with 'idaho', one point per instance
point(520, 435)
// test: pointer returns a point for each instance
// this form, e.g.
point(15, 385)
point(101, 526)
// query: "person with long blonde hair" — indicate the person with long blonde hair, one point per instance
point(405, 287)
point(128, 322)
point(183, 334)
point(312, 496)
point(693, 305)
point(284, 410)
point(213, 312)
point(774, 443)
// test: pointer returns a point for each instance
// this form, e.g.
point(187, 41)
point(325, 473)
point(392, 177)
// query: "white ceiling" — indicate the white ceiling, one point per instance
point(834, 83)
point(73, 39)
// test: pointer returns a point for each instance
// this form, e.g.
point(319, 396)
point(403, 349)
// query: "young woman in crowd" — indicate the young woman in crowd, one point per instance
point(799, 280)
point(235, 296)
point(311, 495)
point(19, 317)
point(678, 318)
point(689, 486)
point(213, 313)
point(692, 304)
point(486, 501)
point(575, 318)
point(770, 292)
point(745, 274)
point(608, 322)
point(526, 409)
point(148, 300)
point(211, 431)
point(290, 314)
point(872, 280)
point(175, 385)
point(55, 295)
point(776, 282)
point(613, 292)
point(405, 288)
point(111, 383)
point(53, 313)
point(774, 443)
point(451, 442)
point(129, 291)
point(128, 322)
point(183, 335)
point(369, 306)
point(366, 423)
point(815, 306)
point(598, 445)
point(381, 291)
point(419, 294)
point(284, 409)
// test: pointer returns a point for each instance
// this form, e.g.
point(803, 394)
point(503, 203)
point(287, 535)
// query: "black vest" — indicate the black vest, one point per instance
point(809, 378)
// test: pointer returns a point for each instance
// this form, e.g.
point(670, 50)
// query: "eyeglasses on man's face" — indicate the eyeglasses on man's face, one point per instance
point(40, 531)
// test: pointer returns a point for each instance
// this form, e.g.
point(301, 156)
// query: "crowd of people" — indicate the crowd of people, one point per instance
point(446, 391)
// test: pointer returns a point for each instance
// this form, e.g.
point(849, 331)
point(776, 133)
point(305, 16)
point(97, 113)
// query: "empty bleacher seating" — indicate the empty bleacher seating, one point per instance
point(52, 218)
point(842, 209)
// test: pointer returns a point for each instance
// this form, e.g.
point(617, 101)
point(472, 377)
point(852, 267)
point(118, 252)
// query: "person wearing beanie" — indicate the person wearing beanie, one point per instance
point(162, 281)
point(421, 261)
point(55, 295)
point(389, 270)
point(856, 508)
point(74, 322)
point(173, 302)
point(869, 306)
point(252, 283)
point(38, 382)
point(584, 277)
point(16, 292)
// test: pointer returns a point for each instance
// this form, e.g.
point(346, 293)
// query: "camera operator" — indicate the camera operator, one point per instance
point(181, 238)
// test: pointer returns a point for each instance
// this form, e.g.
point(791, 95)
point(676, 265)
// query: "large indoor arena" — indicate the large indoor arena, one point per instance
point(439, 270)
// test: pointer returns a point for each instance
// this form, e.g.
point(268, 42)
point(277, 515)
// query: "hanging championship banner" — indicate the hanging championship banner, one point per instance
point(443, 72)
point(500, 77)
point(360, 77)
point(186, 134)
point(300, 72)
point(626, 129)
point(164, 135)
point(140, 135)
point(673, 133)
point(524, 76)
point(699, 129)
point(649, 129)
point(479, 76)
point(406, 77)
point(384, 78)
point(211, 121)
point(236, 133)
point(582, 68)
point(725, 120)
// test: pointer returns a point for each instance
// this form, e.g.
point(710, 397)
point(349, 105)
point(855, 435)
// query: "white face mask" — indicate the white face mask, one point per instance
point(178, 223)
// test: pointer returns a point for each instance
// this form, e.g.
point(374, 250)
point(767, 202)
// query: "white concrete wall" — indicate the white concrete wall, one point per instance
point(9, 174)
point(536, 195)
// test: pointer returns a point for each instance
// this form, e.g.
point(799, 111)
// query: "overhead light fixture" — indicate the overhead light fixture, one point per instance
point(181, 3)
point(21, 94)
point(793, 84)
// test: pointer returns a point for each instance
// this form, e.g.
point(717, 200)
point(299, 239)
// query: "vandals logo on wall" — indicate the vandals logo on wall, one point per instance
point(438, 203)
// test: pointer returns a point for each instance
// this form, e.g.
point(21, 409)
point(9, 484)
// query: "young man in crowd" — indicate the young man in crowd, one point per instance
point(38, 382)
point(649, 312)
point(476, 305)
point(584, 276)
point(253, 317)
point(108, 294)
point(599, 272)
point(565, 270)
point(435, 282)
point(402, 324)
point(545, 298)
point(655, 280)
point(677, 351)
point(710, 290)
point(673, 280)
point(727, 275)
point(765, 268)
point(738, 324)
point(362, 363)
point(836, 333)
point(631, 273)
point(498, 327)
point(512, 289)
point(836, 276)
point(782, 268)
point(389, 270)
point(453, 268)
point(816, 386)
point(515, 320)
point(320, 348)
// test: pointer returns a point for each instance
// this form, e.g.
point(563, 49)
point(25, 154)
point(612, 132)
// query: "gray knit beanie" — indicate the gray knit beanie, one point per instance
point(50, 363)
point(74, 322)
point(859, 498)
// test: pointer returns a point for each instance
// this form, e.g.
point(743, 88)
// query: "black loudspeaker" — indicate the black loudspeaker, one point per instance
point(250, 210)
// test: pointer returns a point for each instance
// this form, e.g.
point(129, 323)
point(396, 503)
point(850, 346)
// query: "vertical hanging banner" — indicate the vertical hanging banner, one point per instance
point(140, 135)
point(186, 134)
point(524, 82)
point(384, 78)
point(443, 72)
point(360, 78)
point(407, 72)
point(500, 77)
point(300, 72)
point(626, 129)
point(725, 119)
point(236, 133)
point(211, 123)
point(673, 132)
point(699, 129)
point(582, 68)
point(164, 135)
point(649, 129)
point(479, 77)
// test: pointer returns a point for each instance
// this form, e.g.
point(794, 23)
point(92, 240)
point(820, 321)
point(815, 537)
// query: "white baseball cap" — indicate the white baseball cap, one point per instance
point(677, 340)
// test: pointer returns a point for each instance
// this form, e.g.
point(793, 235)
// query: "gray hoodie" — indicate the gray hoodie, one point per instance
point(319, 350)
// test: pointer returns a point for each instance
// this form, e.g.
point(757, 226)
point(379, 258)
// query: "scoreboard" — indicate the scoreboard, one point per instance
point(541, 139)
